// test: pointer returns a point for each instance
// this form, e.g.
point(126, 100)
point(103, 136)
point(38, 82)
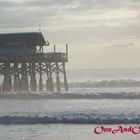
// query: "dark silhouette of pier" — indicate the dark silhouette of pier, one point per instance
point(22, 60)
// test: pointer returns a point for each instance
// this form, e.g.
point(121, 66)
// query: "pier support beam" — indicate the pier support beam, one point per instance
point(58, 86)
point(24, 78)
point(7, 82)
point(65, 78)
point(49, 81)
point(40, 80)
point(15, 78)
point(32, 77)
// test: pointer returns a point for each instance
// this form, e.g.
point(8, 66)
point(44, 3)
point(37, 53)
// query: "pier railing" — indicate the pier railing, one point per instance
point(35, 57)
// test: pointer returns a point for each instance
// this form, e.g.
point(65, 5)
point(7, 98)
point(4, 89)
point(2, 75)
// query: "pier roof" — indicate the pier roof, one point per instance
point(29, 39)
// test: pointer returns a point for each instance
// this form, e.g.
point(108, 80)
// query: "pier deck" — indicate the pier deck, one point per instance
point(33, 57)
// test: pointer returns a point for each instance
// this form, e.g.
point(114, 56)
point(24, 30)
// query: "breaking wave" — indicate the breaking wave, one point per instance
point(106, 83)
point(79, 119)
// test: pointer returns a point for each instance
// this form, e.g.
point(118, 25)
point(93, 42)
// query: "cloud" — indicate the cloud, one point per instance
point(98, 18)
point(130, 44)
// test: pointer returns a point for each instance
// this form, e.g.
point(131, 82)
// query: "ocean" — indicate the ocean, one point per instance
point(98, 97)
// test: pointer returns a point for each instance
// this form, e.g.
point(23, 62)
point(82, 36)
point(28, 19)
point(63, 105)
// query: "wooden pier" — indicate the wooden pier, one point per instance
point(24, 66)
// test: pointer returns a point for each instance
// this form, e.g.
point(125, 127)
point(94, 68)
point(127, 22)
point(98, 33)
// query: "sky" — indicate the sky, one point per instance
point(100, 33)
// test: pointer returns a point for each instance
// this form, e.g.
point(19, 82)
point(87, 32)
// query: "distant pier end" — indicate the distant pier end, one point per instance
point(24, 66)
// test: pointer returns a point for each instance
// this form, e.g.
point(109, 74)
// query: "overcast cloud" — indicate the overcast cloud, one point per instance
point(123, 45)
point(92, 25)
